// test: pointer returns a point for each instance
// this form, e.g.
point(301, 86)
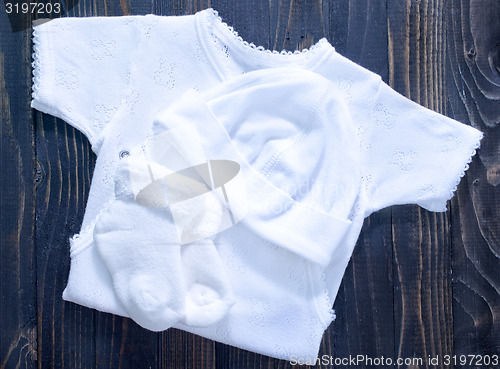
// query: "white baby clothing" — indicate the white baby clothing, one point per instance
point(110, 77)
point(274, 123)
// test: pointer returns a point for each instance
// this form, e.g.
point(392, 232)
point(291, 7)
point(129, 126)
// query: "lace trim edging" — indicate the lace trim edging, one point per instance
point(472, 153)
point(35, 88)
point(328, 302)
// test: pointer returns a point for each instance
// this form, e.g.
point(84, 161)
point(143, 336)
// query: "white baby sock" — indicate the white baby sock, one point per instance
point(209, 294)
point(141, 249)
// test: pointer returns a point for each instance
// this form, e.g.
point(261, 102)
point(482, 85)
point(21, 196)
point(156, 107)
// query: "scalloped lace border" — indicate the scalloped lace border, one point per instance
point(472, 153)
point(35, 88)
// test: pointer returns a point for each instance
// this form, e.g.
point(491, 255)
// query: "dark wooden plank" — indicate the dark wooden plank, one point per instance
point(364, 305)
point(474, 83)
point(66, 331)
point(121, 343)
point(18, 324)
point(251, 19)
point(296, 25)
point(421, 240)
point(180, 349)
point(422, 303)
point(358, 30)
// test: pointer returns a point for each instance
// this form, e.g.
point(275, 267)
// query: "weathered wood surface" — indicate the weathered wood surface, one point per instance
point(419, 284)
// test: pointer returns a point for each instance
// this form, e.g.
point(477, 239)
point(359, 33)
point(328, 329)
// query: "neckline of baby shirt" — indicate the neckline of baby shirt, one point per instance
point(210, 28)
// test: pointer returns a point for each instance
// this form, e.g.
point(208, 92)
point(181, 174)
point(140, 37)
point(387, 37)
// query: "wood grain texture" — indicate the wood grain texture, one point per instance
point(421, 240)
point(18, 317)
point(419, 284)
point(474, 31)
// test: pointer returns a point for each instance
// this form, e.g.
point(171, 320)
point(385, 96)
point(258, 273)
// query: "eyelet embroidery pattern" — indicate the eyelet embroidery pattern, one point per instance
point(404, 159)
point(103, 49)
point(450, 143)
point(382, 117)
point(101, 115)
point(164, 75)
point(69, 79)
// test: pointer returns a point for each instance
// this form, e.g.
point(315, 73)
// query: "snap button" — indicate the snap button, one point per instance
point(124, 154)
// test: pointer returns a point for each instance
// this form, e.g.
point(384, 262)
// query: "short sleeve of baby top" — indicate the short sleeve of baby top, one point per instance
point(411, 154)
point(109, 78)
point(82, 68)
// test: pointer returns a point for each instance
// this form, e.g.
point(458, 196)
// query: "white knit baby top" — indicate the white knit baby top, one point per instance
point(110, 77)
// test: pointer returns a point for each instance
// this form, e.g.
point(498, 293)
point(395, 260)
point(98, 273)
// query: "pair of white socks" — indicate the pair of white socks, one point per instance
point(164, 264)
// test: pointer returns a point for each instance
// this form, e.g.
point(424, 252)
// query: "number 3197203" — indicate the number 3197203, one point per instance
point(33, 8)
